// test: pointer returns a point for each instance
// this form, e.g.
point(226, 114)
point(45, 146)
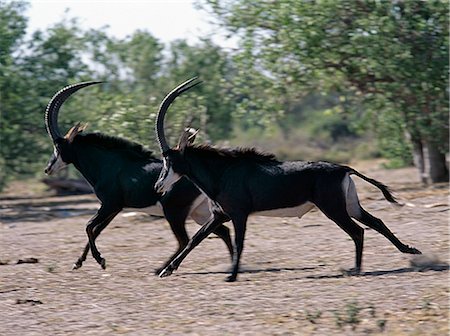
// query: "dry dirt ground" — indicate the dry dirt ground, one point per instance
point(291, 282)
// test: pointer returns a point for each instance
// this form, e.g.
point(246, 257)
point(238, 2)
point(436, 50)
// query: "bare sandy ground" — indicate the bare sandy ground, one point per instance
point(291, 282)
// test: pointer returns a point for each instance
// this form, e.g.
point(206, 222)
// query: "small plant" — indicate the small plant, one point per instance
point(313, 316)
point(114, 327)
point(372, 310)
point(350, 316)
point(338, 319)
point(352, 311)
point(381, 324)
point(51, 268)
point(426, 304)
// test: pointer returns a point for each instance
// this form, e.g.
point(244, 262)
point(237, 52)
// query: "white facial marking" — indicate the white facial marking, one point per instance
point(55, 164)
point(169, 180)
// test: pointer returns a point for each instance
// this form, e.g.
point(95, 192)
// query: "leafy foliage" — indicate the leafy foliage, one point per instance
point(329, 69)
point(390, 58)
point(136, 75)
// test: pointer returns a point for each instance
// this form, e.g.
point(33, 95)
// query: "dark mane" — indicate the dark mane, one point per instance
point(115, 143)
point(239, 152)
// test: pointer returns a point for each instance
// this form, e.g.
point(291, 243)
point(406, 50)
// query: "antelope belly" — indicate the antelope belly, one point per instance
point(200, 210)
point(297, 211)
point(153, 210)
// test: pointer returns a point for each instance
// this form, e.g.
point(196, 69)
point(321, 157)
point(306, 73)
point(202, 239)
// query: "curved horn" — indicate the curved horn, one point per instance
point(163, 109)
point(51, 113)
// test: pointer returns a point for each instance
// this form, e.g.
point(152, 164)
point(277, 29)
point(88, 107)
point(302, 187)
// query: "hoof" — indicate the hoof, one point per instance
point(414, 251)
point(351, 271)
point(410, 250)
point(231, 278)
point(166, 272)
point(102, 263)
point(77, 265)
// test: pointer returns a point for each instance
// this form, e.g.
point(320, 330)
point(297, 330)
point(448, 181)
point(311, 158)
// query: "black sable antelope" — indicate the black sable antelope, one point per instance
point(241, 182)
point(122, 174)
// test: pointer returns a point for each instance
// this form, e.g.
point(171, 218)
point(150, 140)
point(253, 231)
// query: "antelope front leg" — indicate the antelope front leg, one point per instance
point(96, 225)
point(82, 258)
point(201, 234)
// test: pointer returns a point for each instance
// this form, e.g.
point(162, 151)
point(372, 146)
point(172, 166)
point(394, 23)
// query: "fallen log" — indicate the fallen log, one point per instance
point(66, 186)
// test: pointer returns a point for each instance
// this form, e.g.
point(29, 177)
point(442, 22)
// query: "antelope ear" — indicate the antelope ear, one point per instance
point(193, 133)
point(187, 138)
point(76, 129)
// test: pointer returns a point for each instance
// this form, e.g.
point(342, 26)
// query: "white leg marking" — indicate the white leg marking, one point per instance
point(351, 197)
point(201, 210)
point(153, 210)
point(297, 211)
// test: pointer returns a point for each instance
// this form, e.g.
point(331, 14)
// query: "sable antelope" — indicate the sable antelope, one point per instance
point(241, 182)
point(122, 174)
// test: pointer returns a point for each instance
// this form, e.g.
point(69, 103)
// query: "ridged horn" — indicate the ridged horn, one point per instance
point(51, 113)
point(160, 135)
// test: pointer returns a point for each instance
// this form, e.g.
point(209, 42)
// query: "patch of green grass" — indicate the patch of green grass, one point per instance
point(426, 304)
point(381, 324)
point(313, 316)
point(350, 315)
point(372, 310)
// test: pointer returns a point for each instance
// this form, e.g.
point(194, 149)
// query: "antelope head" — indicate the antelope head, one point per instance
point(174, 166)
point(61, 156)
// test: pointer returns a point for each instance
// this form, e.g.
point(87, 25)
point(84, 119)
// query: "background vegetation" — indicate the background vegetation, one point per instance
point(310, 80)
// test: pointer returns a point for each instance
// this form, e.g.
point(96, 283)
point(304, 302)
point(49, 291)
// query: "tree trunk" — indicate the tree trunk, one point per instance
point(435, 167)
point(419, 160)
point(431, 163)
